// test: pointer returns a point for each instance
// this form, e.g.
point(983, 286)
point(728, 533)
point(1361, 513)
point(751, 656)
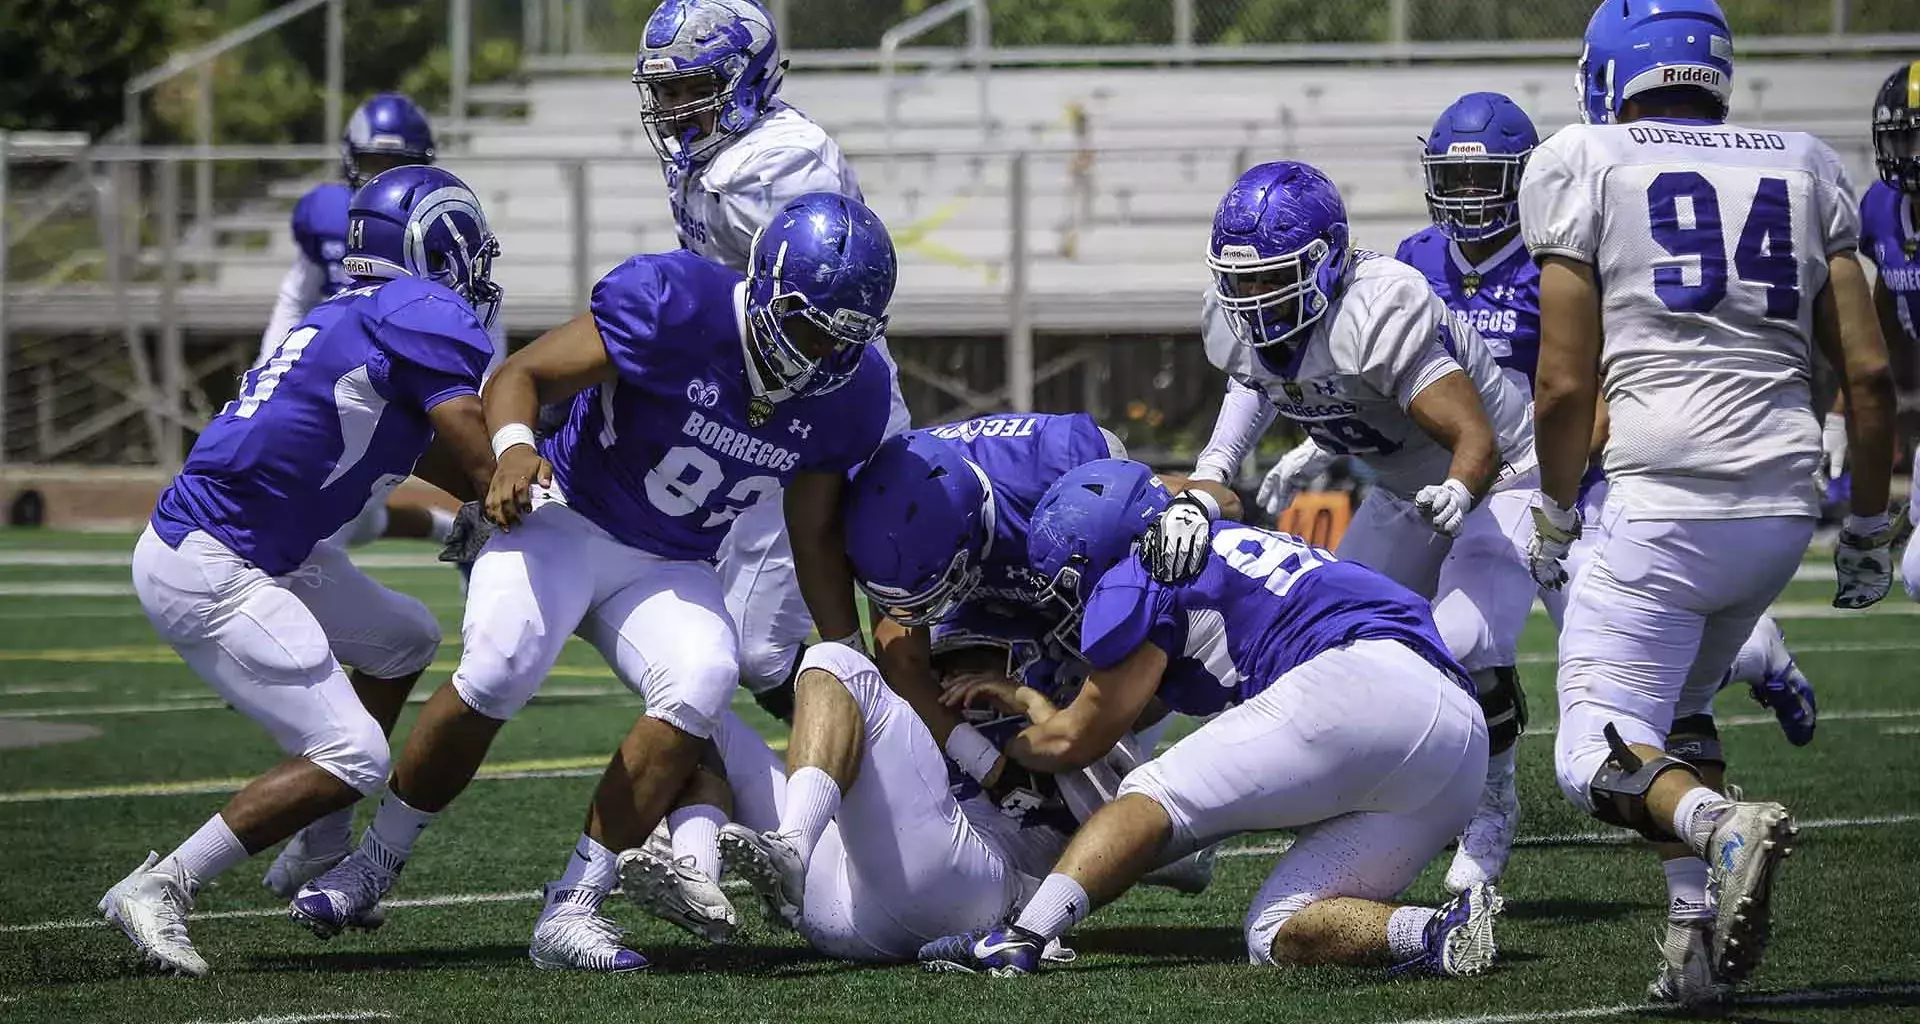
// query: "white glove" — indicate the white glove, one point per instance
point(1445, 506)
point(1177, 541)
point(1863, 559)
point(1833, 447)
point(1554, 531)
point(1295, 470)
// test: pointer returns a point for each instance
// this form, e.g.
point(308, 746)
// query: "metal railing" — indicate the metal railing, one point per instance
point(979, 41)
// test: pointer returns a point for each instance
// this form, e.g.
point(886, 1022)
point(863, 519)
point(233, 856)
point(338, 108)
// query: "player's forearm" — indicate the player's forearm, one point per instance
point(1476, 458)
point(1065, 742)
point(905, 657)
point(1224, 496)
point(1566, 383)
point(820, 559)
point(1449, 411)
point(1847, 328)
point(511, 396)
point(460, 459)
point(1245, 414)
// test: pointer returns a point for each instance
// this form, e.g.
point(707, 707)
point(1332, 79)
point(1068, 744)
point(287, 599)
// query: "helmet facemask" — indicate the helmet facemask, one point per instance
point(1896, 149)
point(684, 112)
point(1473, 195)
point(812, 356)
point(1274, 297)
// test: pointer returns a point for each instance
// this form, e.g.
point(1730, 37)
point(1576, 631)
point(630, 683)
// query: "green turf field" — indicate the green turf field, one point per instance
point(149, 753)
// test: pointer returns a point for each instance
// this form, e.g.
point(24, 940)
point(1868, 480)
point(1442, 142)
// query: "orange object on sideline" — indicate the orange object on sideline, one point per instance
point(1318, 517)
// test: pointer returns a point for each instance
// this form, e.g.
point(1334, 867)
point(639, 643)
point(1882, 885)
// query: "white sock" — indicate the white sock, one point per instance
point(592, 867)
point(396, 827)
point(207, 853)
point(1687, 889)
point(442, 525)
point(696, 834)
point(813, 798)
point(1059, 904)
point(329, 832)
point(1407, 932)
point(1695, 815)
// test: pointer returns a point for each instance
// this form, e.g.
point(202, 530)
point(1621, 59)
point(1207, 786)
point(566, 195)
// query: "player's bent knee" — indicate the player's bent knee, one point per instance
point(412, 641)
point(357, 755)
point(766, 663)
point(852, 669)
point(1270, 942)
point(1149, 781)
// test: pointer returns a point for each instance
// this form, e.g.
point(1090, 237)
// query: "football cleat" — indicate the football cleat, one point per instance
point(1007, 952)
point(1189, 876)
point(1787, 693)
point(297, 865)
point(151, 906)
point(571, 935)
point(345, 896)
point(1488, 840)
point(676, 891)
point(768, 862)
point(1746, 848)
point(1458, 942)
point(1686, 966)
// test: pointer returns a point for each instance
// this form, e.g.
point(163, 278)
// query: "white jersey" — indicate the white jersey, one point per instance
point(1387, 337)
point(1711, 243)
point(721, 204)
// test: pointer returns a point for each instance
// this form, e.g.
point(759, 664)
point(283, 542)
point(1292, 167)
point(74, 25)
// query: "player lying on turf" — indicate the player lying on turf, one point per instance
point(937, 536)
point(232, 569)
point(1689, 267)
point(695, 394)
point(1339, 714)
point(1357, 349)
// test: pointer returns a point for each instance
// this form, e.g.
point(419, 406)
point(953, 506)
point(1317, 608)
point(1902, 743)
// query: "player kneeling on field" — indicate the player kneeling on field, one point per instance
point(1340, 714)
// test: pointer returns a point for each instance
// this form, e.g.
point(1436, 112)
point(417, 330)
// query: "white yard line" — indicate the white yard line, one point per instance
point(66, 589)
point(110, 559)
point(309, 1018)
point(1796, 997)
point(199, 702)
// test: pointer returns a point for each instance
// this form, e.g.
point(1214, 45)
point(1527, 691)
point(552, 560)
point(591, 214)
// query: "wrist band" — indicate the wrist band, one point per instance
point(1204, 500)
point(1867, 526)
point(973, 752)
point(510, 435)
point(854, 640)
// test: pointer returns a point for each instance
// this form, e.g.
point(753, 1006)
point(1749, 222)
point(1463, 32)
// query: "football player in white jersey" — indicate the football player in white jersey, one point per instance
point(732, 153)
point(1356, 348)
point(1688, 267)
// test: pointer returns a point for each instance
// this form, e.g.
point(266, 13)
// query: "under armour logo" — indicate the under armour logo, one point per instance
point(1328, 388)
point(703, 394)
point(805, 430)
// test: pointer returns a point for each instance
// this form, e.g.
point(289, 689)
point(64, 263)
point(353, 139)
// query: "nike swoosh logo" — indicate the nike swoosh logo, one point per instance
point(982, 950)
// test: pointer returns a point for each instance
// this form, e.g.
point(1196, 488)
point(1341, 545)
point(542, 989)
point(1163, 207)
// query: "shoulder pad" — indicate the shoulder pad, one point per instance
point(427, 325)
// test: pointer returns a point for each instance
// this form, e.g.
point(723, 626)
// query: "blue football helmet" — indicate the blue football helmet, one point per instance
point(824, 265)
point(1635, 46)
point(919, 521)
point(1086, 524)
point(420, 221)
point(389, 126)
point(1279, 250)
point(1473, 162)
point(706, 71)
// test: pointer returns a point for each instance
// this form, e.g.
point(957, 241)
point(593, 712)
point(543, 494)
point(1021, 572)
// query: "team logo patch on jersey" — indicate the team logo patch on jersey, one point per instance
point(704, 394)
point(1911, 246)
point(759, 411)
point(1470, 283)
point(1293, 391)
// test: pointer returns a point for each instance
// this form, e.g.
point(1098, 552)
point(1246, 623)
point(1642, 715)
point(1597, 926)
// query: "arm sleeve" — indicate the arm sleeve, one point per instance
point(1558, 215)
point(1245, 414)
point(1405, 342)
point(1128, 609)
point(299, 293)
point(629, 307)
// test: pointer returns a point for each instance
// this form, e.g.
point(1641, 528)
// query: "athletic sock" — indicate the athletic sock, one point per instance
point(1695, 815)
point(396, 826)
point(1407, 932)
point(592, 867)
point(1687, 889)
point(442, 525)
point(813, 798)
point(206, 854)
point(1059, 904)
point(696, 834)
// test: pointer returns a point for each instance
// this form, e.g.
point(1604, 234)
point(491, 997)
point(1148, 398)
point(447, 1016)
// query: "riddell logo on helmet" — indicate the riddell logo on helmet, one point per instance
point(1689, 76)
point(1239, 252)
point(657, 65)
point(1467, 149)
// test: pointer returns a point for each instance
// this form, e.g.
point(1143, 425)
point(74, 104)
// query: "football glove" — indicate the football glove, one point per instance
point(469, 534)
point(1554, 531)
point(1293, 472)
point(1863, 559)
point(1176, 543)
point(1445, 506)
point(1833, 447)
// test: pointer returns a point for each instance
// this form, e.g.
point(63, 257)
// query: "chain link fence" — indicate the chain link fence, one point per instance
point(610, 26)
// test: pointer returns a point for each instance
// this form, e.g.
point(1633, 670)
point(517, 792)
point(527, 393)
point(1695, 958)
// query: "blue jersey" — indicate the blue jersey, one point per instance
point(1265, 603)
point(337, 414)
point(1499, 298)
point(1888, 238)
point(320, 230)
point(669, 453)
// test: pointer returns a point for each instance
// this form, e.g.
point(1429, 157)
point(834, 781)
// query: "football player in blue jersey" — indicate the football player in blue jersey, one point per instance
point(1890, 236)
point(695, 395)
point(1338, 712)
point(232, 570)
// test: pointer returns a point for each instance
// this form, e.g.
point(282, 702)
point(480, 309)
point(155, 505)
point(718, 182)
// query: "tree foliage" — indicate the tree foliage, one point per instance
point(66, 64)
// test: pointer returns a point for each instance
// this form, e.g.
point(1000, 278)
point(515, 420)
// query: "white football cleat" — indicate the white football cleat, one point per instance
point(1190, 875)
point(572, 936)
point(151, 906)
point(769, 863)
point(676, 891)
point(1748, 844)
point(297, 865)
point(1686, 966)
point(1488, 840)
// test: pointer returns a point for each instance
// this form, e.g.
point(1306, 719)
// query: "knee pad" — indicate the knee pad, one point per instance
point(1619, 788)
point(1503, 703)
point(1695, 740)
point(777, 700)
point(356, 754)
